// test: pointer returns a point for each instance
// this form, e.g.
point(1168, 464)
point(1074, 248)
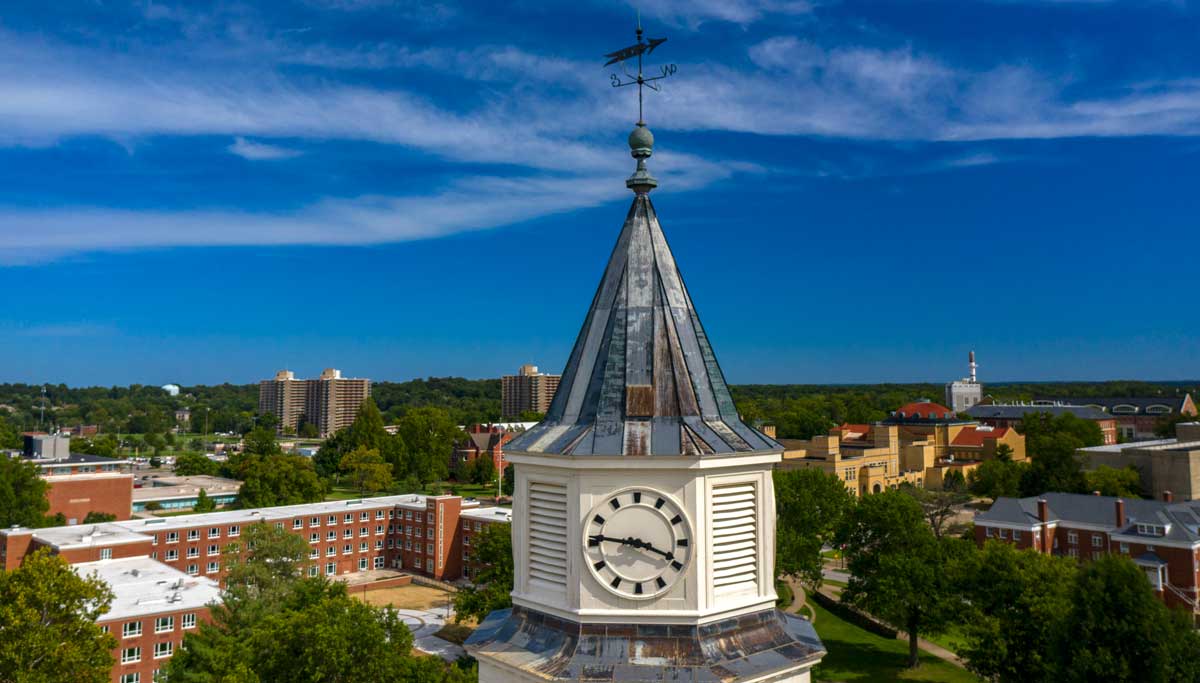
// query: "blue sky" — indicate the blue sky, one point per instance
point(855, 191)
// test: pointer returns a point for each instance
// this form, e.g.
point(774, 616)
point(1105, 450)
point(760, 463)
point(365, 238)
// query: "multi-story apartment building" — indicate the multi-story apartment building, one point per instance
point(164, 570)
point(528, 390)
point(1160, 536)
point(330, 401)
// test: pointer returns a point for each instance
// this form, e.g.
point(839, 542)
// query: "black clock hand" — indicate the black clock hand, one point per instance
point(635, 542)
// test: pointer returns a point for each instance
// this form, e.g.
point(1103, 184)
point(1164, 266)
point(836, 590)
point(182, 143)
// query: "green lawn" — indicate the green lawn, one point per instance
point(858, 655)
point(949, 640)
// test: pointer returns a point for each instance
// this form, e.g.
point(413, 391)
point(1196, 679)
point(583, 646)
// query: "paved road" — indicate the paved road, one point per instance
point(425, 623)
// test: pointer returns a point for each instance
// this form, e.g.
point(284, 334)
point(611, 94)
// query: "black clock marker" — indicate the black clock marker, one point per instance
point(682, 542)
point(592, 542)
point(659, 503)
point(616, 504)
point(598, 565)
point(637, 496)
point(598, 519)
point(676, 566)
point(658, 580)
point(616, 583)
point(637, 588)
point(676, 519)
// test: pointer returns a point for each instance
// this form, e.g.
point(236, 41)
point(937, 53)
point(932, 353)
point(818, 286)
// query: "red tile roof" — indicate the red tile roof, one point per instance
point(975, 436)
point(860, 431)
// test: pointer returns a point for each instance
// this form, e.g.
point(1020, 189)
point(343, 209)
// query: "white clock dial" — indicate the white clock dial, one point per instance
point(637, 542)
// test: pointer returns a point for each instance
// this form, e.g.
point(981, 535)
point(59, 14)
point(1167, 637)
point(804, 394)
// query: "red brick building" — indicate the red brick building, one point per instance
point(1004, 415)
point(1135, 417)
point(75, 495)
point(1159, 536)
point(482, 441)
point(473, 523)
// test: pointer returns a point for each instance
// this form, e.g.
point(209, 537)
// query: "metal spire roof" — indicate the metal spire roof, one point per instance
point(642, 378)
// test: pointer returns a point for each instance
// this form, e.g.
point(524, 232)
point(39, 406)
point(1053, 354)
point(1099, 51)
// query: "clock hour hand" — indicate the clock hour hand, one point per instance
point(635, 542)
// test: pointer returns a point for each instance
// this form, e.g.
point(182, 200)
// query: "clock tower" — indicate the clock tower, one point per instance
point(644, 511)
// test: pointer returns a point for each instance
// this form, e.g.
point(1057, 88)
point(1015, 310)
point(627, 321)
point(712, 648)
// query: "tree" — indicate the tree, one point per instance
point(1125, 482)
point(270, 480)
point(104, 445)
point(260, 441)
point(1118, 630)
point(156, 462)
point(203, 502)
point(153, 506)
point(899, 571)
point(939, 507)
point(366, 430)
point(9, 436)
point(1015, 602)
point(810, 508)
point(1004, 452)
point(48, 617)
point(22, 493)
point(429, 436)
point(509, 480)
point(954, 481)
point(191, 464)
point(94, 517)
point(484, 470)
point(368, 472)
point(492, 588)
point(272, 558)
point(996, 478)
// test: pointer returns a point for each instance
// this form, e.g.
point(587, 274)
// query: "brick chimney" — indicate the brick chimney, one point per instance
point(1120, 508)
point(1168, 497)
point(1043, 510)
point(1044, 515)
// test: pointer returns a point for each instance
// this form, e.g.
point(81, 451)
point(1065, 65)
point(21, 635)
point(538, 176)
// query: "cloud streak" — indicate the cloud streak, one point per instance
point(259, 151)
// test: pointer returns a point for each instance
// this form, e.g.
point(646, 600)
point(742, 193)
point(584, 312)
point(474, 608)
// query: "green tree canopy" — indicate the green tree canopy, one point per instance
point(191, 464)
point(269, 480)
point(261, 441)
point(899, 571)
point(1118, 630)
point(1015, 603)
point(22, 493)
point(997, 478)
point(367, 431)
point(94, 517)
point(367, 470)
point(810, 508)
point(939, 507)
point(483, 470)
point(492, 587)
point(1124, 482)
point(204, 503)
point(429, 436)
point(48, 620)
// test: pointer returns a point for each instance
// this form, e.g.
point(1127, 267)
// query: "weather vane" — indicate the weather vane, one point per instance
point(642, 47)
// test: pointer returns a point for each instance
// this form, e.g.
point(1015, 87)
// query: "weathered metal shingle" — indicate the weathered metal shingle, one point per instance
point(642, 378)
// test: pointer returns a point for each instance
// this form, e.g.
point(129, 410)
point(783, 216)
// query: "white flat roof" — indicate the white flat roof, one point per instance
point(144, 586)
point(88, 535)
point(489, 514)
point(1119, 447)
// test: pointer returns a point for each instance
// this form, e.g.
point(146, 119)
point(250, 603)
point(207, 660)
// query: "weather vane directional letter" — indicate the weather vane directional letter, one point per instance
point(642, 47)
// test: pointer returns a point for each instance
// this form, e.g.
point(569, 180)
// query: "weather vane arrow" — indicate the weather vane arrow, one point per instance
point(639, 49)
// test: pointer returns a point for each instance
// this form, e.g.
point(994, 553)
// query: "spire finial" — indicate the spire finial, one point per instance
point(641, 140)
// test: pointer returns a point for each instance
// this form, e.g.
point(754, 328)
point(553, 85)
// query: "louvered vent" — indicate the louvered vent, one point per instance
point(735, 537)
point(548, 534)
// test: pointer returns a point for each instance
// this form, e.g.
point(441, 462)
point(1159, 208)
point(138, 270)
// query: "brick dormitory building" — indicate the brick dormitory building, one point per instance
point(164, 571)
point(1160, 536)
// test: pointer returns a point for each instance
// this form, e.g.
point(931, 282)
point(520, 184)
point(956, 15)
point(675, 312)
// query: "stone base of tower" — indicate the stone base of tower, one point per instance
point(519, 645)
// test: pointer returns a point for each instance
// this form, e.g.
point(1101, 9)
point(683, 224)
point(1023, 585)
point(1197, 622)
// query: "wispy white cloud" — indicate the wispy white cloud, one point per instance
point(260, 151)
point(693, 13)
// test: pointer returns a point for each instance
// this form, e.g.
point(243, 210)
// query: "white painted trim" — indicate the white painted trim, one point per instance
point(631, 616)
point(651, 462)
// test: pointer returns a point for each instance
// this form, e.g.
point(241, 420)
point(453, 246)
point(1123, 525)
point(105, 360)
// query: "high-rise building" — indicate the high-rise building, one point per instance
point(527, 390)
point(330, 402)
point(966, 392)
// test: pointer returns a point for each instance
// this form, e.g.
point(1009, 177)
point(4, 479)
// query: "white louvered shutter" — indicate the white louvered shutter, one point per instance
point(735, 538)
point(548, 534)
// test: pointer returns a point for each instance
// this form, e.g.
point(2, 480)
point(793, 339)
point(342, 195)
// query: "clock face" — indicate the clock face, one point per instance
point(637, 542)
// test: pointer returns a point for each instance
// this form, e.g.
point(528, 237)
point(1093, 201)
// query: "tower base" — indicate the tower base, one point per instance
point(519, 645)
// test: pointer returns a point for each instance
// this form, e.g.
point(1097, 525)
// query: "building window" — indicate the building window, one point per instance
point(408, 514)
point(1073, 552)
point(134, 677)
point(313, 553)
point(419, 518)
point(987, 531)
point(193, 570)
point(1004, 533)
point(1097, 541)
point(1096, 554)
point(193, 552)
point(378, 563)
point(379, 530)
point(188, 620)
point(212, 568)
point(106, 553)
point(428, 548)
point(330, 551)
point(466, 525)
point(1125, 548)
point(214, 549)
point(312, 571)
point(347, 549)
point(379, 514)
point(214, 532)
point(467, 539)
point(314, 521)
point(364, 516)
point(429, 532)
point(297, 523)
point(408, 545)
point(390, 546)
point(172, 537)
point(236, 530)
point(331, 520)
point(362, 564)
point(379, 544)
point(364, 531)
point(131, 629)
point(348, 533)
point(478, 526)
point(172, 555)
point(362, 547)
point(331, 568)
point(313, 538)
point(163, 650)
point(331, 536)
point(164, 624)
point(348, 518)
point(193, 534)
point(1072, 537)
point(131, 654)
